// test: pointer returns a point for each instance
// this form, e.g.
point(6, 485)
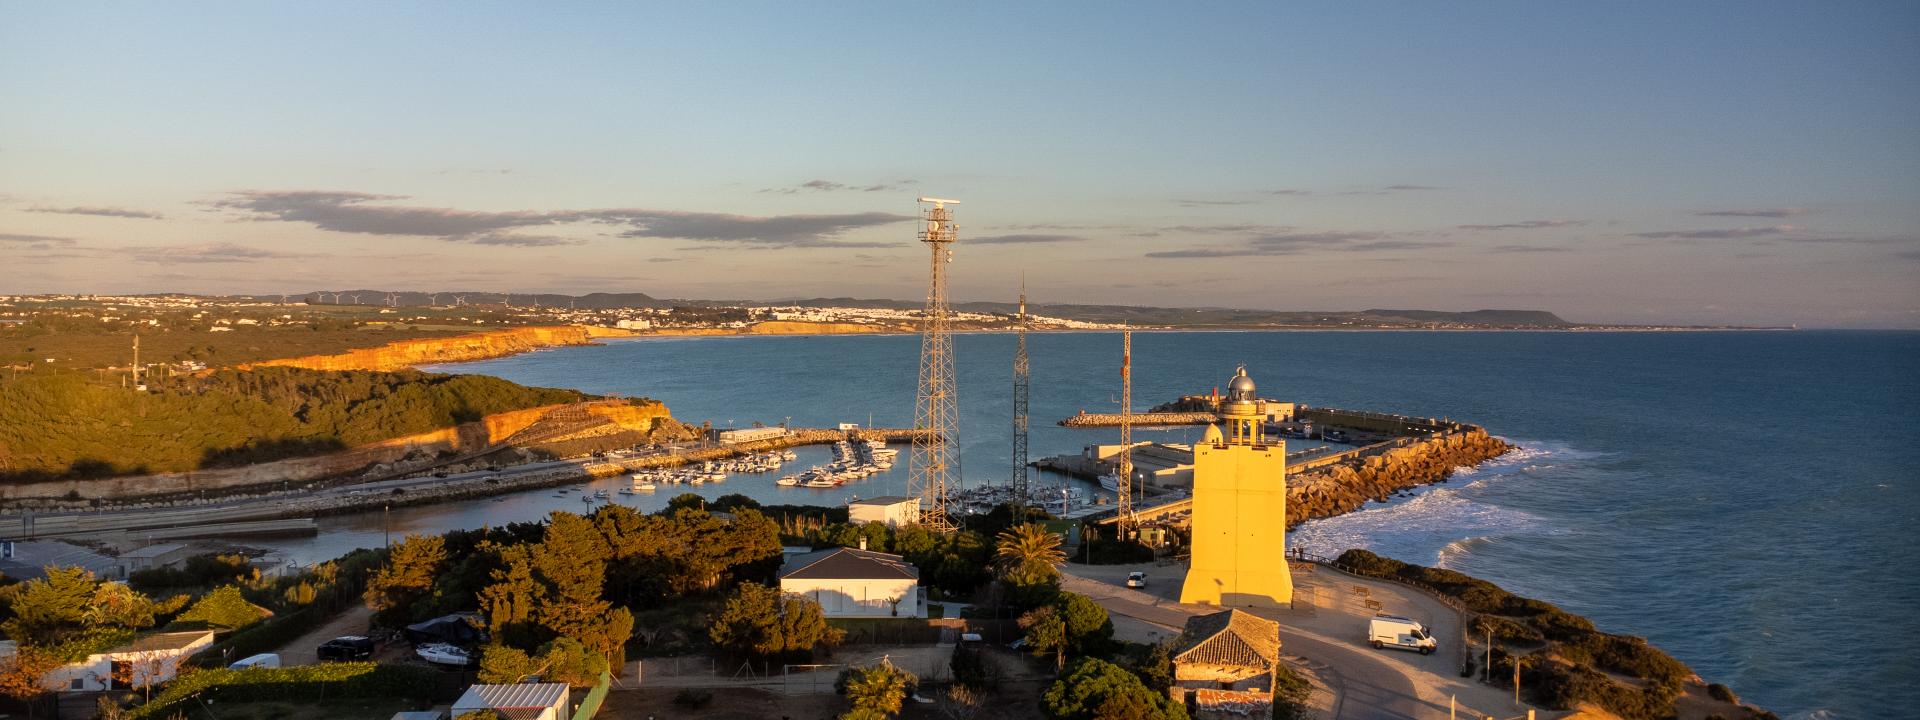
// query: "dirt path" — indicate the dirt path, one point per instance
point(353, 621)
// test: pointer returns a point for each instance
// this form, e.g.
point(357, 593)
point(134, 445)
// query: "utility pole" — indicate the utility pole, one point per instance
point(1021, 383)
point(136, 360)
point(936, 407)
point(1125, 472)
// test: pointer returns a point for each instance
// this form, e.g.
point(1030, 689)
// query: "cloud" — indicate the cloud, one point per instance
point(1398, 188)
point(1214, 229)
point(1021, 239)
point(1756, 212)
point(206, 253)
point(1210, 203)
point(101, 211)
point(1908, 255)
point(1528, 249)
point(35, 241)
point(1289, 191)
point(1297, 243)
point(518, 240)
point(365, 213)
point(831, 186)
point(1727, 234)
point(1526, 225)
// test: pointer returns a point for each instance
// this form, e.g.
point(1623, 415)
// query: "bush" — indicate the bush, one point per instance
point(292, 684)
point(1564, 687)
point(1290, 694)
point(1504, 630)
point(1722, 693)
point(693, 698)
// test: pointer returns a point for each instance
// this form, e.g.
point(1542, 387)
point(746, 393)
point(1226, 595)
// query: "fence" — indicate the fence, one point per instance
point(590, 705)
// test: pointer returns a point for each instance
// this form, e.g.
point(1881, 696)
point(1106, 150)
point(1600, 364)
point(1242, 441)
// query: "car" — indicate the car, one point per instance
point(263, 660)
point(346, 649)
point(1136, 579)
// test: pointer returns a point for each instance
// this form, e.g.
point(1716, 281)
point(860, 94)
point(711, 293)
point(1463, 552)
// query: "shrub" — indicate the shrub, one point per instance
point(222, 608)
point(1505, 630)
point(294, 684)
point(693, 698)
point(1722, 693)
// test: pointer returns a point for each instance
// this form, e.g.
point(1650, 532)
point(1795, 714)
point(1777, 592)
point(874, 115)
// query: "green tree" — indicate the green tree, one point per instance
point(409, 575)
point(1028, 558)
point(759, 621)
point(1094, 689)
point(225, 607)
point(1089, 630)
point(503, 665)
point(1046, 634)
point(301, 594)
point(44, 609)
point(879, 688)
point(117, 605)
point(515, 593)
point(573, 663)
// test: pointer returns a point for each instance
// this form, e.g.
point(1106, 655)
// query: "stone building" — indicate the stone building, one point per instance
point(1223, 665)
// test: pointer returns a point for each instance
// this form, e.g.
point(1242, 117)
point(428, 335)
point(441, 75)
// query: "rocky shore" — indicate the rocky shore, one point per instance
point(1345, 486)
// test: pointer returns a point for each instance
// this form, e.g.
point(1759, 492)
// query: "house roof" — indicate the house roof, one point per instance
point(510, 698)
point(1229, 637)
point(847, 564)
point(885, 500)
point(162, 641)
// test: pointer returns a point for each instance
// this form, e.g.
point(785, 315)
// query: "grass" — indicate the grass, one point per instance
point(352, 709)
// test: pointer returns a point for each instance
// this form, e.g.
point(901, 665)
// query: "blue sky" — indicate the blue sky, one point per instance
point(1629, 162)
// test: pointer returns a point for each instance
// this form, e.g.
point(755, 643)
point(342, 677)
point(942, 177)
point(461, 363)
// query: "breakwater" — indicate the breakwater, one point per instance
point(1380, 471)
point(1085, 419)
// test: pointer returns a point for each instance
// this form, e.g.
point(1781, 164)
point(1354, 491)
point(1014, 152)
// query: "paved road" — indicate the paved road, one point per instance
point(1369, 687)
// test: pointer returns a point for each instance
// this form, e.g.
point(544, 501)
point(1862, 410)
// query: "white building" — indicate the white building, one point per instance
point(742, 435)
point(855, 583)
point(148, 660)
point(525, 701)
point(893, 510)
point(154, 556)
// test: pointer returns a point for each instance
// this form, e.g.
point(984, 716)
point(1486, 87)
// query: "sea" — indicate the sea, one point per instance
point(1747, 501)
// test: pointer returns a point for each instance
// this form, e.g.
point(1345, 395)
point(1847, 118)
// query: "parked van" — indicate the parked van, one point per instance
point(263, 660)
point(1385, 631)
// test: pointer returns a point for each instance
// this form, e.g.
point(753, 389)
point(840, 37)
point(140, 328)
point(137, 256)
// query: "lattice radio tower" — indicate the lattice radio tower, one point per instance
point(1021, 380)
point(935, 461)
point(1125, 471)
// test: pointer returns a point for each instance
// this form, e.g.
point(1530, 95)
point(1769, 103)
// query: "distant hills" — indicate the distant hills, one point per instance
point(1137, 315)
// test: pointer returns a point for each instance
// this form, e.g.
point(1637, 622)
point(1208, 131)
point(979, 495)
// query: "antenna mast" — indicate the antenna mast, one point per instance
point(936, 412)
point(1021, 381)
point(1125, 471)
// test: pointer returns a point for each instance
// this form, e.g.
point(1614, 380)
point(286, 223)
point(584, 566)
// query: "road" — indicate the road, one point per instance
point(1325, 629)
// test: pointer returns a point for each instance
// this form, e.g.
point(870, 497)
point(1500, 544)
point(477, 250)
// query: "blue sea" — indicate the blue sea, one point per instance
point(1745, 500)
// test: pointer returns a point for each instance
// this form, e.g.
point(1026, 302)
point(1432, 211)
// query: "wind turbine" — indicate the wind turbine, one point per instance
point(356, 299)
point(459, 300)
point(433, 299)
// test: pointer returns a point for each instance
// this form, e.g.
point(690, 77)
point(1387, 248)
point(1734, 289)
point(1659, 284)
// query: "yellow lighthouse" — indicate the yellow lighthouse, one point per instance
point(1239, 509)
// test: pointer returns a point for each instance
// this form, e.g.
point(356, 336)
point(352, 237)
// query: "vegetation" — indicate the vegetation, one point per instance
point(759, 622)
point(952, 565)
point(303, 682)
point(1070, 624)
point(1579, 653)
point(876, 691)
point(1094, 689)
point(1027, 559)
point(55, 426)
point(224, 608)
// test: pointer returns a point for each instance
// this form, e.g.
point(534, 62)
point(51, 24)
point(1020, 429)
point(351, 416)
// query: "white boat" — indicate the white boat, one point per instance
point(788, 481)
point(1110, 482)
point(626, 491)
point(443, 654)
point(647, 486)
point(821, 483)
point(586, 498)
point(697, 480)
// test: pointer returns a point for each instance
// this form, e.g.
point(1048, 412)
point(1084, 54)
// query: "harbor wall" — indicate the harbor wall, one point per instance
point(1345, 486)
point(459, 348)
point(465, 439)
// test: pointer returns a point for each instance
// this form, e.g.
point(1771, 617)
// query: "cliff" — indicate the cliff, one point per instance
point(1345, 486)
point(459, 348)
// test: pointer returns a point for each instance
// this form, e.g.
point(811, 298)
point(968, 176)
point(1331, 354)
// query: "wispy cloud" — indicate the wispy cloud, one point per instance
point(520, 240)
point(100, 211)
point(1723, 234)
point(1399, 188)
point(1021, 239)
point(1756, 212)
point(832, 186)
point(206, 253)
point(1289, 191)
point(1209, 203)
point(366, 213)
point(1528, 249)
point(1298, 243)
point(36, 241)
point(1227, 228)
point(1527, 225)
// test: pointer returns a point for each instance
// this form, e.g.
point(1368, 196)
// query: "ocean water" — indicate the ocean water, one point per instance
point(1745, 500)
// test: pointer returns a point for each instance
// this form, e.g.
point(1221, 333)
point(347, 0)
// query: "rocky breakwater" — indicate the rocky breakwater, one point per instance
point(1396, 466)
point(458, 348)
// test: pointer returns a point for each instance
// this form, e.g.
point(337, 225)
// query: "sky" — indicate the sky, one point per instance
point(1657, 162)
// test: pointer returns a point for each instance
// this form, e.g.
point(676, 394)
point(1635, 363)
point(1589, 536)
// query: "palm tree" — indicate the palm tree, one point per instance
point(1027, 549)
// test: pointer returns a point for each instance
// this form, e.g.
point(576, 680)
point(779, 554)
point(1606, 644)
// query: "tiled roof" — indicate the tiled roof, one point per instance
point(847, 564)
point(1229, 637)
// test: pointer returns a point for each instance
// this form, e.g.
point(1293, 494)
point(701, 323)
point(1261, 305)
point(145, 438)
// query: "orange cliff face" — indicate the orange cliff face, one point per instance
point(426, 351)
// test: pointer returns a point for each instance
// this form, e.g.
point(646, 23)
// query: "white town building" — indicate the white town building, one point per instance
point(891, 510)
point(855, 583)
point(148, 660)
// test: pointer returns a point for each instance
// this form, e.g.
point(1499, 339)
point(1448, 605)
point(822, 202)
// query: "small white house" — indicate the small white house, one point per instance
point(148, 660)
point(524, 701)
point(855, 583)
point(154, 556)
point(893, 510)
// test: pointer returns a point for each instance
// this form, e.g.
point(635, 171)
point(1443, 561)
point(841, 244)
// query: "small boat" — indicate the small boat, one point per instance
point(1110, 481)
point(444, 654)
point(586, 498)
point(626, 491)
point(697, 480)
point(788, 481)
point(647, 486)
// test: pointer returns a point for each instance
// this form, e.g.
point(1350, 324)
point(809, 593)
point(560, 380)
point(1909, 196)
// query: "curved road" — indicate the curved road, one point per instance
point(1369, 686)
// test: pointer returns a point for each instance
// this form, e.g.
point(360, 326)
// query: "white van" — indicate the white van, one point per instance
point(1385, 631)
point(263, 660)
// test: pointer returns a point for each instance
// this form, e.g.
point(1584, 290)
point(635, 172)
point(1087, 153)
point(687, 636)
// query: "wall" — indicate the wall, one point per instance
point(859, 598)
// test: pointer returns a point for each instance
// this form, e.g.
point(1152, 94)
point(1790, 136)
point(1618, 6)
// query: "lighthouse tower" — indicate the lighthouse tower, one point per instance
point(1239, 509)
